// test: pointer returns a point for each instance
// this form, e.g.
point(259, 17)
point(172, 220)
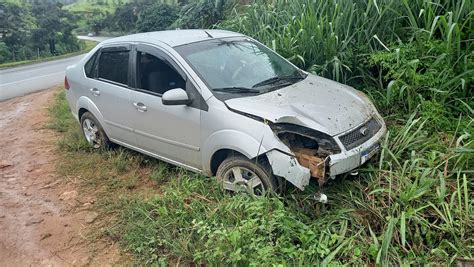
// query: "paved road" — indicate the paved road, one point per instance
point(27, 79)
point(94, 38)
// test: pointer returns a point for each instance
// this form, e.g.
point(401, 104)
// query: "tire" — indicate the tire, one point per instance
point(255, 178)
point(94, 133)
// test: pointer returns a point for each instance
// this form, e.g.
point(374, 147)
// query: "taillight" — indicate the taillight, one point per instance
point(66, 83)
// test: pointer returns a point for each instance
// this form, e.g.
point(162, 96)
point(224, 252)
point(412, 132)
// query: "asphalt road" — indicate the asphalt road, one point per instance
point(27, 79)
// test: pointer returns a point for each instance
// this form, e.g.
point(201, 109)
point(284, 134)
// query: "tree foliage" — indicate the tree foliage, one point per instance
point(203, 13)
point(157, 17)
point(36, 29)
point(148, 15)
point(123, 19)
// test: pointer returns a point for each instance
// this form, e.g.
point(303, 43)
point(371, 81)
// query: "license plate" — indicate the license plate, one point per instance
point(367, 154)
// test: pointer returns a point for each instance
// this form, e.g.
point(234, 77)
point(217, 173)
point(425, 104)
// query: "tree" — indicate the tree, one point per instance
point(17, 23)
point(51, 20)
point(158, 17)
point(203, 13)
point(40, 26)
point(123, 19)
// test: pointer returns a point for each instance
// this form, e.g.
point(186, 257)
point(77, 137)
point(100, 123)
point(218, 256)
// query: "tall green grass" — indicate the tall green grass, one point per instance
point(336, 39)
point(414, 206)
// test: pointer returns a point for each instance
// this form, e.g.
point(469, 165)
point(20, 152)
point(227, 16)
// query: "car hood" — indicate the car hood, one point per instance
point(315, 102)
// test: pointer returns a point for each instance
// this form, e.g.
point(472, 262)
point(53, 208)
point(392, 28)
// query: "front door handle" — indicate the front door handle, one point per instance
point(95, 91)
point(140, 106)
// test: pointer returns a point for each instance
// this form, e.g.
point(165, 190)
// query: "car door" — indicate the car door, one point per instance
point(111, 93)
point(171, 133)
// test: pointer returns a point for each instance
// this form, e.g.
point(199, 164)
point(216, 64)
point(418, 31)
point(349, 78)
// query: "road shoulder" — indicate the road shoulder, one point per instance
point(43, 219)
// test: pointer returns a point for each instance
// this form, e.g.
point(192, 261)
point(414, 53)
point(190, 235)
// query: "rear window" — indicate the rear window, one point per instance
point(113, 66)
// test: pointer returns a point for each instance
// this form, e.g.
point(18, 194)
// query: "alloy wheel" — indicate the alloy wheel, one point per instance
point(91, 132)
point(241, 179)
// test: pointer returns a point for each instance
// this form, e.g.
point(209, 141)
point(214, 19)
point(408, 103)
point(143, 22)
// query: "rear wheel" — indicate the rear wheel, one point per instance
point(239, 174)
point(93, 132)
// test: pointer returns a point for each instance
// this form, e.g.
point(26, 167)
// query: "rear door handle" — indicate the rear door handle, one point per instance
point(140, 106)
point(95, 91)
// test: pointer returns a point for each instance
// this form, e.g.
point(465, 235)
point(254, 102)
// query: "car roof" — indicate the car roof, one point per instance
point(174, 37)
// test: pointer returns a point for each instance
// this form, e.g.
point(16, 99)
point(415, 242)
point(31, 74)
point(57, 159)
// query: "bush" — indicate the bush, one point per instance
point(421, 72)
point(5, 54)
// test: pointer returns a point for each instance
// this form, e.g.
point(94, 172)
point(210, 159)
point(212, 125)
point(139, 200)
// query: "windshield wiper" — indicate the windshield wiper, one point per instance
point(236, 89)
point(276, 79)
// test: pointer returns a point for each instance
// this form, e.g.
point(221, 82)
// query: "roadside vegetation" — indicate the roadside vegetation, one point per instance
point(155, 15)
point(32, 30)
point(85, 45)
point(94, 6)
point(91, 13)
point(411, 205)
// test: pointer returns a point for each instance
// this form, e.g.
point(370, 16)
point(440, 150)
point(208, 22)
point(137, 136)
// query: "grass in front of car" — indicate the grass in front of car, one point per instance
point(87, 46)
point(404, 208)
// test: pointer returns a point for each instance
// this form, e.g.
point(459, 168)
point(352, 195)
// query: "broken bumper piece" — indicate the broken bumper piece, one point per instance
point(287, 166)
point(299, 168)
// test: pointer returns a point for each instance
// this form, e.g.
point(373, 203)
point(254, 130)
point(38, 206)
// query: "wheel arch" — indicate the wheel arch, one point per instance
point(222, 143)
point(84, 104)
point(81, 112)
point(219, 156)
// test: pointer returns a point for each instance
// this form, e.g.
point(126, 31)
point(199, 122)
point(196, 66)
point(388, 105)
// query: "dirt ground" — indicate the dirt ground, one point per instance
point(43, 221)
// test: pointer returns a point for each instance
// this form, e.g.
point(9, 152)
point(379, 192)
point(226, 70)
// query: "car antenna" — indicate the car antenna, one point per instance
point(209, 35)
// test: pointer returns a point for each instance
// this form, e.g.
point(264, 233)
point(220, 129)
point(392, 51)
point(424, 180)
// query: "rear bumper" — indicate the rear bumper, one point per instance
point(72, 104)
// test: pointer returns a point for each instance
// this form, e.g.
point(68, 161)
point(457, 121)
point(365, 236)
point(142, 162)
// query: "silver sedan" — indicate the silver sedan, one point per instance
point(222, 104)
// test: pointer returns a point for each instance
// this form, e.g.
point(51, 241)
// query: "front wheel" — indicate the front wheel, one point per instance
point(93, 132)
point(239, 174)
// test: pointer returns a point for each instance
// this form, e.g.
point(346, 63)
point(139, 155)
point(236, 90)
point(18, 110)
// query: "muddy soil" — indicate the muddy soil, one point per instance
point(43, 218)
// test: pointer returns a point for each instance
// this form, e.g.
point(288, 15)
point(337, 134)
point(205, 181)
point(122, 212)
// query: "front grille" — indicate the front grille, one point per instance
point(357, 137)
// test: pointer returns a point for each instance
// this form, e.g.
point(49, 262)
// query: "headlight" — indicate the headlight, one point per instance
point(296, 137)
point(310, 147)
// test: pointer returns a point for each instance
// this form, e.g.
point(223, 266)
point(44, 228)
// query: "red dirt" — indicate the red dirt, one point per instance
point(43, 221)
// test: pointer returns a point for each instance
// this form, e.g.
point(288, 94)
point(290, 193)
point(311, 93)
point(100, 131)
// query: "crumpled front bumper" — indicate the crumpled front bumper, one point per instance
point(348, 160)
point(288, 167)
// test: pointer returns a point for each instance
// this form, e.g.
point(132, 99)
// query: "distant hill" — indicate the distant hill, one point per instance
point(64, 2)
point(94, 6)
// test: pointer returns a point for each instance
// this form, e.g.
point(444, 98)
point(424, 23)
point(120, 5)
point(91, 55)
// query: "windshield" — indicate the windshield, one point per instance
point(239, 66)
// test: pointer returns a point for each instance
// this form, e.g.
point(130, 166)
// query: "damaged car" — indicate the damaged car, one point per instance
point(222, 104)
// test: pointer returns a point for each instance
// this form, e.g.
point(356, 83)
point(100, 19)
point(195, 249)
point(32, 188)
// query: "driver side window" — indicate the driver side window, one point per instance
point(155, 75)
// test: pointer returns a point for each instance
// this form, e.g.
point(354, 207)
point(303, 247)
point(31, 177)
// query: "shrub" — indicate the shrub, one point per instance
point(421, 71)
point(5, 53)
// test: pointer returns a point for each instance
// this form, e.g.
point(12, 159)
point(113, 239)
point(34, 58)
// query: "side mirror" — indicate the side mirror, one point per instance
point(175, 97)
